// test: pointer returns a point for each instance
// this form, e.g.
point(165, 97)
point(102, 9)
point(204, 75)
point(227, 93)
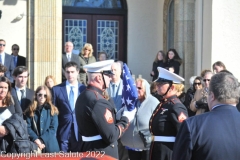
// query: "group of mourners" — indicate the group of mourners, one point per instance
point(97, 109)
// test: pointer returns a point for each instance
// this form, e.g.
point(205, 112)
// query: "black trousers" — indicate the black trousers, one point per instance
point(138, 155)
point(122, 151)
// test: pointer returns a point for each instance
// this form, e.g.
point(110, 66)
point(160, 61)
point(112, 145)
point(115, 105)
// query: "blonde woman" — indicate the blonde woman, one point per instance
point(85, 57)
point(50, 81)
point(42, 121)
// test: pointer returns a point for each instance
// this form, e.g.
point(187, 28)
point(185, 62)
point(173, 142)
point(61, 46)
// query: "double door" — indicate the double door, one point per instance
point(104, 32)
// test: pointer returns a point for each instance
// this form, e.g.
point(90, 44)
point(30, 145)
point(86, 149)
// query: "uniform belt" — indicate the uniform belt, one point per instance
point(164, 139)
point(93, 138)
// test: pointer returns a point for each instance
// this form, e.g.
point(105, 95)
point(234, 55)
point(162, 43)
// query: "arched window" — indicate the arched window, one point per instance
point(104, 26)
point(93, 3)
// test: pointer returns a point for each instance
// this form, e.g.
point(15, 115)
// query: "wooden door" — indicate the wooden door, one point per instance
point(104, 32)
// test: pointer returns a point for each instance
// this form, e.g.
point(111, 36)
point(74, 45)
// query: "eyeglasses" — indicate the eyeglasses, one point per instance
point(2, 45)
point(15, 49)
point(107, 72)
point(41, 95)
point(206, 80)
point(196, 84)
point(139, 88)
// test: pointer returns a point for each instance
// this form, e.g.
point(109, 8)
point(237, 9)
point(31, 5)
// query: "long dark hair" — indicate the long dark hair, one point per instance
point(7, 101)
point(201, 81)
point(176, 56)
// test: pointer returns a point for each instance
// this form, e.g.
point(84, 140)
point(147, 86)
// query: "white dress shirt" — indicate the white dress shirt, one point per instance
point(3, 57)
point(19, 93)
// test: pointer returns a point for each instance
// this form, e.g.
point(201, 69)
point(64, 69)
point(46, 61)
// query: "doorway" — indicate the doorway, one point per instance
point(104, 32)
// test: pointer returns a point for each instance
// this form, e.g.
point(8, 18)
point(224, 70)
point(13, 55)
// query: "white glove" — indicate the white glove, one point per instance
point(129, 114)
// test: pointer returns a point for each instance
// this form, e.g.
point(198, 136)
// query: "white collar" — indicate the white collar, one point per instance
point(18, 89)
point(68, 84)
point(117, 83)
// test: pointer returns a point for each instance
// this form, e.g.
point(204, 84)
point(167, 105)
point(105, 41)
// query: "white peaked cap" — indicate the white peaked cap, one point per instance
point(165, 75)
point(99, 66)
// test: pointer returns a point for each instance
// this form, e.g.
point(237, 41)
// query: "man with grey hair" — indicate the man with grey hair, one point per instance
point(115, 92)
point(116, 85)
point(68, 56)
point(214, 135)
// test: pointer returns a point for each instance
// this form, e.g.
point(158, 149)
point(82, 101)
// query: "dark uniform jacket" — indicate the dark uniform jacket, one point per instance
point(213, 135)
point(166, 121)
point(96, 116)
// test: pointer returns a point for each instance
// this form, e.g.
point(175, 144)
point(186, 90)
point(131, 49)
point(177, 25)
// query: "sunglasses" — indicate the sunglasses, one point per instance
point(107, 72)
point(41, 95)
point(197, 84)
point(206, 80)
point(15, 49)
point(139, 88)
point(2, 44)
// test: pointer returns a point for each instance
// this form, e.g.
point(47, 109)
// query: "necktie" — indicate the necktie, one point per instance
point(71, 98)
point(69, 58)
point(113, 90)
point(15, 61)
point(0, 58)
point(22, 96)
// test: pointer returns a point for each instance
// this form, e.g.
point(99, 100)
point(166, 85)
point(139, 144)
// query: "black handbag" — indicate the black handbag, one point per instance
point(146, 137)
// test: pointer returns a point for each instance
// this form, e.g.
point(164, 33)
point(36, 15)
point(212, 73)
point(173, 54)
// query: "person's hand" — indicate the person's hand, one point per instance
point(3, 131)
point(152, 73)
point(171, 69)
point(41, 146)
point(129, 114)
point(39, 143)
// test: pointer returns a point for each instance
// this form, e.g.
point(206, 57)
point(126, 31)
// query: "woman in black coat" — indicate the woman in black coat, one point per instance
point(173, 61)
point(158, 62)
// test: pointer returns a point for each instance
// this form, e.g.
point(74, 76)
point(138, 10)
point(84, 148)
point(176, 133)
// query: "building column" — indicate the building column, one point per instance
point(44, 41)
point(184, 30)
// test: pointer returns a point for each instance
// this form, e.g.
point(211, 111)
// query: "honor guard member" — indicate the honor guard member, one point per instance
point(96, 114)
point(167, 117)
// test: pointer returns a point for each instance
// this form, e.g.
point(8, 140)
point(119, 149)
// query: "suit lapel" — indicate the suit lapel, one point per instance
point(64, 93)
point(14, 93)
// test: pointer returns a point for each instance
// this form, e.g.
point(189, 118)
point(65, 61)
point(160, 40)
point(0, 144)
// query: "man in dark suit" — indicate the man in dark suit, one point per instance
point(68, 56)
point(20, 91)
point(17, 59)
point(214, 135)
point(64, 98)
point(6, 60)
